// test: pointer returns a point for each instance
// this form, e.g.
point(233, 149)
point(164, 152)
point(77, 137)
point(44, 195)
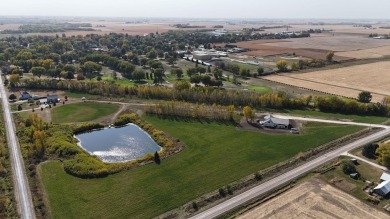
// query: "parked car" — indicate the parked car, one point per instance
point(294, 131)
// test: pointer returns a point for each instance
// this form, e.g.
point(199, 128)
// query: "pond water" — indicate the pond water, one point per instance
point(121, 144)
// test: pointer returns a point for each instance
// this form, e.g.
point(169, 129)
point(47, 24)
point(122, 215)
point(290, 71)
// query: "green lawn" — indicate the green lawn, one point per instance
point(215, 155)
point(260, 89)
point(355, 118)
point(82, 112)
point(245, 66)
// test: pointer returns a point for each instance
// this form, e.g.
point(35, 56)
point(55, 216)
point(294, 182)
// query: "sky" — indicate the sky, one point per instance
point(272, 9)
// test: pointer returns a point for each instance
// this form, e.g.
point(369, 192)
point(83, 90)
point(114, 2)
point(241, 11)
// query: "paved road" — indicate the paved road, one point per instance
point(242, 198)
point(330, 121)
point(22, 189)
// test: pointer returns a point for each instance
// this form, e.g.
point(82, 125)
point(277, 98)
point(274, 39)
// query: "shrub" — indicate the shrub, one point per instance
point(87, 127)
point(221, 192)
point(195, 206)
point(369, 150)
point(348, 167)
point(124, 119)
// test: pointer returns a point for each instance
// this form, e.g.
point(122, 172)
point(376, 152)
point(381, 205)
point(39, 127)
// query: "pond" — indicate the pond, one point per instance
point(113, 145)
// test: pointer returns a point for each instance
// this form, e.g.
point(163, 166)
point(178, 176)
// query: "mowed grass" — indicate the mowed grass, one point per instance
point(260, 89)
point(215, 155)
point(82, 112)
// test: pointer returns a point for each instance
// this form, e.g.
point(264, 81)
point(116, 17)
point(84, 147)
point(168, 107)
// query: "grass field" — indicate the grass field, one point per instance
point(82, 112)
point(338, 116)
point(245, 66)
point(215, 155)
point(260, 89)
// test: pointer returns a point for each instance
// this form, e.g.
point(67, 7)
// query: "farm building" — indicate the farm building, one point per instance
point(383, 188)
point(273, 122)
point(27, 96)
point(207, 54)
point(52, 98)
point(385, 177)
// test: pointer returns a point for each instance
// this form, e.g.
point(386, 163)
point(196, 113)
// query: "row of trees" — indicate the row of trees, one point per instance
point(207, 95)
point(349, 106)
point(188, 110)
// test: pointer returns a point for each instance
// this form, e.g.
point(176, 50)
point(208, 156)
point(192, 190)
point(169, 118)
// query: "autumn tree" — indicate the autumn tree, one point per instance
point(329, 56)
point(294, 66)
point(14, 79)
point(282, 65)
point(248, 113)
point(182, 85)
point(383, 152)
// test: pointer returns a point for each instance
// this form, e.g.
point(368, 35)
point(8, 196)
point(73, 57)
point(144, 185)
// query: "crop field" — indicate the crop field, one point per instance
point(332, 43)
point(377, 52)
point(150, 190)
point(317, 46)
point(348, 81)
point(82, 112)
point(314, 199)
point(262, 48)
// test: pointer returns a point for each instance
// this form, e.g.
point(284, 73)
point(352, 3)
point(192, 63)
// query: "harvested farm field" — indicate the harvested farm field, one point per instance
point(347, 81)
point(332, 43)
point(265, 48)
point(314, 199)
point(378, 52)
point(346, 47)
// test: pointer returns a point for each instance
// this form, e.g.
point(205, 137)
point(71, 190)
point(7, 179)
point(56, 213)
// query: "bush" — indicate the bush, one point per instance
point(348, 167)
point(124, 119)
point(12, 97)
point(195, 206)
point(222, 192)
point(369, 151)
point(86, 127)
point(86, 166)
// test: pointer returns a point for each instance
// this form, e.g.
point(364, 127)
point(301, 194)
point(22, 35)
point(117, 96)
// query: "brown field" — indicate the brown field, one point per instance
point(265, 48)
point(348, 81)
point(314, 199)
point(333, 43)
point(378, 52)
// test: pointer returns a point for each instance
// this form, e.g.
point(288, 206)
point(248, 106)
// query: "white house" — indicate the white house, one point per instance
point(383, 188)
point(273, 122)
point(385, 177)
